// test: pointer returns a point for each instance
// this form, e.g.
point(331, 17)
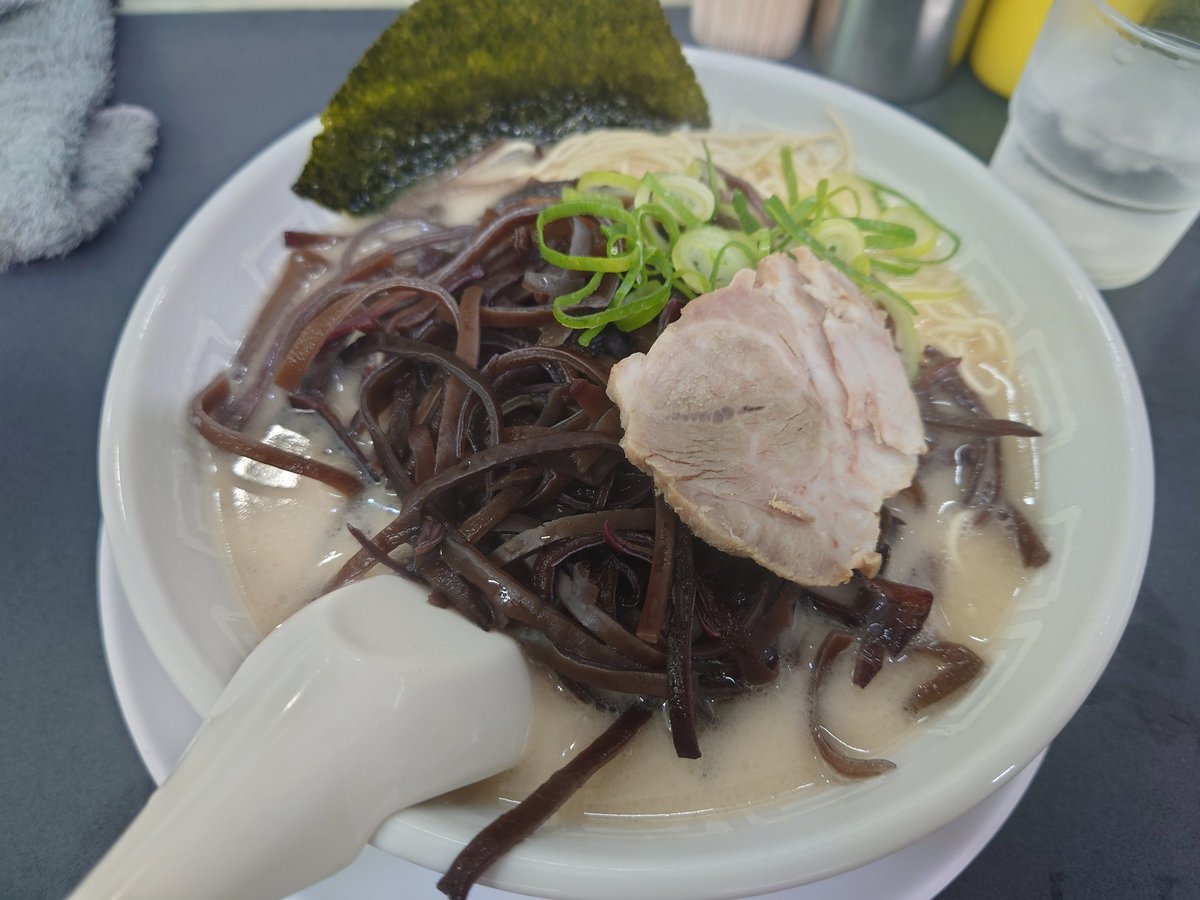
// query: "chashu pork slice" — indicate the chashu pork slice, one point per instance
point(775, 418)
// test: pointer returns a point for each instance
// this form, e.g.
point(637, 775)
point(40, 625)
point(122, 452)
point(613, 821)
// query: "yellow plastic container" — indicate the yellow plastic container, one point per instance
point(1006, 35)
point(1009, 29)
point(1136, 10)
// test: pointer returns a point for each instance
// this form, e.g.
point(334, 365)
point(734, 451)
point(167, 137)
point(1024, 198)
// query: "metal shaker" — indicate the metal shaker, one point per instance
point(900, 50)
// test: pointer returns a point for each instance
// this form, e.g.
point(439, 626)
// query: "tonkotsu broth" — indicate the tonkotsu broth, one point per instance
point(286, 536)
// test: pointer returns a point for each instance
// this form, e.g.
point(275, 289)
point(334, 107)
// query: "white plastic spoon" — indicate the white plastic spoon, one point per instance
point(366, 701)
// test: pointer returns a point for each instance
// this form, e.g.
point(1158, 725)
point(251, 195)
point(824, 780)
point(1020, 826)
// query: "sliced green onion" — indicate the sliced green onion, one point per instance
point(707, 258)
point(925, 230)
point(688, 199)
point(660, 237)
point(583, 293)
point(819, 203)
point(626, 184)
point(763, 242)
point(804, 210)
point(651, 217)
point(654, 299)
point(659, 290)
point(841, 238)
point(927, 295)
point(833, 195)
point(883, 193)
point(895, 266)
point(789, 176)
point(884, 235)
point(590, 334)
point(619, 261)
point(710, 171)
point(863, 203)
point(741, 208)
point(611, 201)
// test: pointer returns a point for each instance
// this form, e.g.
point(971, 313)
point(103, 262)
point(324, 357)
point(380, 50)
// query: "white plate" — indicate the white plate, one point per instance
point(162, 723)
point(1095, 508)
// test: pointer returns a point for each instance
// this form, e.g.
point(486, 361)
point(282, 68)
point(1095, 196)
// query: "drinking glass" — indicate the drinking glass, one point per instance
point(1103, 134)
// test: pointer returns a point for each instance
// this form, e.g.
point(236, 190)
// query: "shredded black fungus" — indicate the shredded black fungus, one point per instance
point(494, 431)
point(958, 422)
point(850, 766)
point(957, 667)
point(522, 820)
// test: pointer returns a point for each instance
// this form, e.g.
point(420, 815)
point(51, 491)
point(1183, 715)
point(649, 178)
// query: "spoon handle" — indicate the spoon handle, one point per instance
point(365, 702)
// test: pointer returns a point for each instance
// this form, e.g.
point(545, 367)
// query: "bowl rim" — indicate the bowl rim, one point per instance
point(770, 864)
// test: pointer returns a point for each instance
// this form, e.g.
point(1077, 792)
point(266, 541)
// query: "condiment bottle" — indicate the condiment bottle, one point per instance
point(1006, 36)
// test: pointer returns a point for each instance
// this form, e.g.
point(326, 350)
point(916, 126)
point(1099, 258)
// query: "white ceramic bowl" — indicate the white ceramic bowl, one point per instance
point(1095, 511)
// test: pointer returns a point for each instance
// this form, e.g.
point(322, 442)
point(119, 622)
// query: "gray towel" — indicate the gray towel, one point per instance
point(67, 164)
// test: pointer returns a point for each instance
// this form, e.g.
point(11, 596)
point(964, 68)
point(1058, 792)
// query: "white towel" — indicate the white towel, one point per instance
point(67, 164)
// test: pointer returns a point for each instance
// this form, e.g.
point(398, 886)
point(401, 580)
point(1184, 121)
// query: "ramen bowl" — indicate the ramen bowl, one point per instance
point(1094, 510)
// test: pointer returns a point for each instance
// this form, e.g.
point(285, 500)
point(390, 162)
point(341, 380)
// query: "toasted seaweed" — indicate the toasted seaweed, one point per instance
point(450, 77)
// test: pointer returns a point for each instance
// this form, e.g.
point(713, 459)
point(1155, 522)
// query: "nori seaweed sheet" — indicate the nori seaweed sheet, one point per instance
point(450, 77)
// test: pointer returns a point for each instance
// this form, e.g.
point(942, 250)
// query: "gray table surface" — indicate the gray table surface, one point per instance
point(1115, 811)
